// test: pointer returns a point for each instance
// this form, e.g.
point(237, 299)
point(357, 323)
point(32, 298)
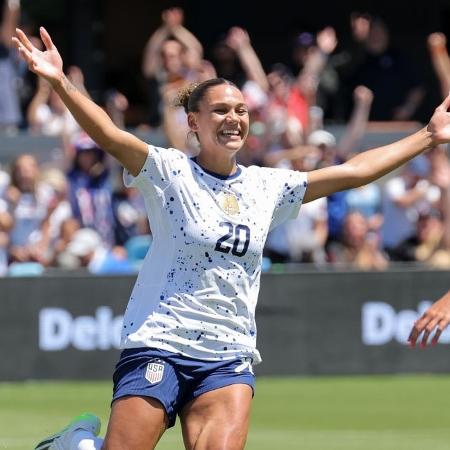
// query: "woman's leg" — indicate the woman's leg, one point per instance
point(136, 423)
point(218, 419)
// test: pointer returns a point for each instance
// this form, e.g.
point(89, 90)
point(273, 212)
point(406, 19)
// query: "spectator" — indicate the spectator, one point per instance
point(405, 196)
point(58, 212)
point(359, 247)
point(301, 239)
point(10, 115)
point(130, 218)
point(90, 190)
point(93, 254)
point(28, 202)
point(390, 74)
point(48, 115)
point(6, 224)
point(171, 57)
point(318, 80)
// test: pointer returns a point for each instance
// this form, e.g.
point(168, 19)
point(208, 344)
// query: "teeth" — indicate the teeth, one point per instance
point(231, 132)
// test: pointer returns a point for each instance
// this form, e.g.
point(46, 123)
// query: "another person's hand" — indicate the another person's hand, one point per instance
point(46, 64)
point(437, 317)
point(237, 37)
point(360, 24)
point(363, 95)
point(327, 40)
point(173, 17)
point(437, 42)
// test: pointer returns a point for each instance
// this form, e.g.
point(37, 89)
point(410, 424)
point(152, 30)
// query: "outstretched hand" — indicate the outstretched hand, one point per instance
point(439, 124)
point(436, 318)
point(46, 64)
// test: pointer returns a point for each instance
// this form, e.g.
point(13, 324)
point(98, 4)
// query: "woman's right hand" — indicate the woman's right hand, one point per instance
point(46, 64)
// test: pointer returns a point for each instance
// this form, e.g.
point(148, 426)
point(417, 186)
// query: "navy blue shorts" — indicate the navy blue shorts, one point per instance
point(173, 379)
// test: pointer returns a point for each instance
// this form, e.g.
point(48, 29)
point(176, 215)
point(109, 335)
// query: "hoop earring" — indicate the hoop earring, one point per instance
point(192, 140)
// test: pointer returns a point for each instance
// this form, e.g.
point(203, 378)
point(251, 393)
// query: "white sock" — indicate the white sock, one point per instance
point(85, 440)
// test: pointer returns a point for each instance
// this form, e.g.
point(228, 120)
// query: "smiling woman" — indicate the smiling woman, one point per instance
point(189, 333)
point(218, 116)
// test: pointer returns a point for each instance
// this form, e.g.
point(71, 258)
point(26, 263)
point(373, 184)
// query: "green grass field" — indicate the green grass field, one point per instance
point(322, 413)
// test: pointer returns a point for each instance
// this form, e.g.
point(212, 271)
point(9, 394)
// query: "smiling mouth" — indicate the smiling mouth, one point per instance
point(230, 134)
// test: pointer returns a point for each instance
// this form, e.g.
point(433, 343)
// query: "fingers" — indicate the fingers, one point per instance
point(24, 52)
point(46, 39)
point(436, 336)
point(22, 37)
point(426, 334)
point(445, 104)
point(427, 325)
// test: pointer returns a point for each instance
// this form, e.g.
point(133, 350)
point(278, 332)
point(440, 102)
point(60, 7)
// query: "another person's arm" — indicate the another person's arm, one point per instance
point(130, 151)
point(370, 165)
point(356, 127)
point(437, 46)
point(437, 316)
point(10, 20)
point(239, 40)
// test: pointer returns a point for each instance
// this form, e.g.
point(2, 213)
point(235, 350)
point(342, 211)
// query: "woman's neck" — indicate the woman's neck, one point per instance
point(220, 166)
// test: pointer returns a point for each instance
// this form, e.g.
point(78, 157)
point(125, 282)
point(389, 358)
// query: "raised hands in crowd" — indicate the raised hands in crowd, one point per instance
point(286, 109)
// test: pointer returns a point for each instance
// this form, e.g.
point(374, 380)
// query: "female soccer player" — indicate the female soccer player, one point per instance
point(189, 334)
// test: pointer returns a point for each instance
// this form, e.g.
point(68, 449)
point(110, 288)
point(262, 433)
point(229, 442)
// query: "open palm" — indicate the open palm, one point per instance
point(47, 64)
point(439, 124)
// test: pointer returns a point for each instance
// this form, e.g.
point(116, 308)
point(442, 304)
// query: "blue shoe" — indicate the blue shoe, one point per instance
point(61, 440)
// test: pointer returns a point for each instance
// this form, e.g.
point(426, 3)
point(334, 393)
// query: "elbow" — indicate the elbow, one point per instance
point(355, 176)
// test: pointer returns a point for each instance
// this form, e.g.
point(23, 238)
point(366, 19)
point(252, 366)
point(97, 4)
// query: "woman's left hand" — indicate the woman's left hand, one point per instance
point(439, 124)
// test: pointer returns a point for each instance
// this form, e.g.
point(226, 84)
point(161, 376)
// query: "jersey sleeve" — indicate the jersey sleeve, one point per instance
point(159, 170)
point(287, 188)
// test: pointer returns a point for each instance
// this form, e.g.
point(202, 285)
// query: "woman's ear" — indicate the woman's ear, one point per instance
point(192, 122)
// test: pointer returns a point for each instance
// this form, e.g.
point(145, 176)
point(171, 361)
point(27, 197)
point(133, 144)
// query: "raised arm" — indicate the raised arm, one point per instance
point(239, 40)
point(356, 127)
point(437, 46)
point(130, 151)
point(373, 164)
point(172, 25)
point(10, 20)
point(309, 76)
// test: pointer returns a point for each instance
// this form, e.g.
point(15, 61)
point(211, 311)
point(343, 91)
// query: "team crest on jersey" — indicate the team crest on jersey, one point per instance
point(229, 203)
point(154, 372)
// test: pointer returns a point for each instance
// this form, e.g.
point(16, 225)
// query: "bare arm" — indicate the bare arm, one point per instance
point(239, 40)
point(308, 78)
point(440, 59)
point(152, 59)
point(11, 15)
point(40, 97)
point(126, 148)
point(373, 164)
point(357, 124)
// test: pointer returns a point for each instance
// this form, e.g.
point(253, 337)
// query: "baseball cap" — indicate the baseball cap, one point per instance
point(84, 241)
point(321, 137)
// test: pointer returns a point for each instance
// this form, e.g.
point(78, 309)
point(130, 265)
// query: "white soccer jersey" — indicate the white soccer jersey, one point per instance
point(196, 292)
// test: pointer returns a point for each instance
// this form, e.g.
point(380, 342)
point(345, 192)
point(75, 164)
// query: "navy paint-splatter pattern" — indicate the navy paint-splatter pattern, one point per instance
point(197, 290)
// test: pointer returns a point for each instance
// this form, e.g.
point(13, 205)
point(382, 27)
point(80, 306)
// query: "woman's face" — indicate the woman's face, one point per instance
point(222, 122)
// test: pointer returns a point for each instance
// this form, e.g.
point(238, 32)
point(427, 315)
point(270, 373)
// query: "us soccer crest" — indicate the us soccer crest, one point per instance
point(229, 203)
point(154, 372)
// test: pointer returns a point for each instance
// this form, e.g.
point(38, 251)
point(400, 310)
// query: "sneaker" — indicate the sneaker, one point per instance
point(85, 421)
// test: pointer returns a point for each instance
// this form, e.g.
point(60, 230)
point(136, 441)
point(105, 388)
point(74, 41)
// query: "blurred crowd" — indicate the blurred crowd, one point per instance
point(78, 214)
